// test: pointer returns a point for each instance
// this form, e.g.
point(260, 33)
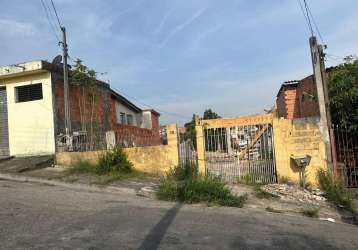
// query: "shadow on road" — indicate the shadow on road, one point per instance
point(157, 233)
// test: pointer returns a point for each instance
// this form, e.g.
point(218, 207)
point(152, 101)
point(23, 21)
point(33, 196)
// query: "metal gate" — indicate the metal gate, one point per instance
point(346, 154)
point(187, 153)
point(241, 152)
point(4, 131)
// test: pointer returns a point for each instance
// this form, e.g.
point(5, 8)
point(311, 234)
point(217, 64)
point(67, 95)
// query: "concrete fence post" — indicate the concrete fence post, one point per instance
point(200, 147)
point(173, 142)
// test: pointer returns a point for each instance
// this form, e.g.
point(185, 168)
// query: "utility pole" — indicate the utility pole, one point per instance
point(319, 71)
point(65, 83)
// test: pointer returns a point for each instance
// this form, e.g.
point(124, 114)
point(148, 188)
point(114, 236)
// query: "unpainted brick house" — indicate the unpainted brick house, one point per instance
point(297, 99)
point(32, 111)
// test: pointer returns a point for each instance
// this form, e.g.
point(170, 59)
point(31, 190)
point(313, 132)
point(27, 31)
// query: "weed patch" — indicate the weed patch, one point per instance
point(311, 212)
point(335, 190)
point(113, 165)
point(80, 167)
point(186, 185)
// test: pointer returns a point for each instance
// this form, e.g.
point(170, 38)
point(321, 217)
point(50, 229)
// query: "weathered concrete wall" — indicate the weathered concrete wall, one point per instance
point(31, 123)
point(152, 159)
point(298, 137)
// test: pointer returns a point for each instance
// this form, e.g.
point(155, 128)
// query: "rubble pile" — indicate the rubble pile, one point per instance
point(294, 193)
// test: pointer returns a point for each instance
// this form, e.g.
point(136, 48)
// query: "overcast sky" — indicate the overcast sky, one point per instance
point(182, 57)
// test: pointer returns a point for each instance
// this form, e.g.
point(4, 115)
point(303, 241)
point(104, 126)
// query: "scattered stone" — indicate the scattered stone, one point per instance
point(295, 193)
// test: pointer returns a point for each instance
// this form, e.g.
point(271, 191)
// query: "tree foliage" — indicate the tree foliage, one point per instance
point(190, 133)
point(85, 80)
point(83, 76)
point(343, 93)
point(209, 114)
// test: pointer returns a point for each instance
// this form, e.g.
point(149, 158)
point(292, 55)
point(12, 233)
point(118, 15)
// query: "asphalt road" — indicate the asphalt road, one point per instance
point(34, 216)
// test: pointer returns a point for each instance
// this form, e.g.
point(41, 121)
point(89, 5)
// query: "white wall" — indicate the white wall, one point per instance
point(124, 109)
point(147, 119)
point(31, 124)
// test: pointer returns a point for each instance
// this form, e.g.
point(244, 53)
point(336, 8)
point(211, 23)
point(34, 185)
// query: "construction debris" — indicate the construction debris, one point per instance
point(294, 193)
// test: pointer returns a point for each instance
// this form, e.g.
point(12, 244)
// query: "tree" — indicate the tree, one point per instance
point(343, 95)
point(190, 133)
point(209, 114)
point(85, 80)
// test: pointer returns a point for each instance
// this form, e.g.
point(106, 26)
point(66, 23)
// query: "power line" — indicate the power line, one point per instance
point(308, 18)
point(45, 7)
point(303, 12)
point(58, 19)
point(315, 24)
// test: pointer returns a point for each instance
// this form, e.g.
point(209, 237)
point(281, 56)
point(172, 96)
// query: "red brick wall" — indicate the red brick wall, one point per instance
point(132, 134)
point(287, 103)
point(308, 105)
point(80, 106)
point(104, 115)
point(296, 101)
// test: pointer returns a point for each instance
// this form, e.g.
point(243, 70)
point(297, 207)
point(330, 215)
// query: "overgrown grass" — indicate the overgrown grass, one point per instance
point(112, 165)
point(311, 212)
point(184, 184)
point(80, 167)
point(335, 190)
point(115, 176)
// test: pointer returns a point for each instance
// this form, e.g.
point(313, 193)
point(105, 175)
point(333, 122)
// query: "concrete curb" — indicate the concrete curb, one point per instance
point(92, 188)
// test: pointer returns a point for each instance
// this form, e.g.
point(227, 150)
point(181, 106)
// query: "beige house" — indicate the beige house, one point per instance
point(26, 110)
point(32, 112)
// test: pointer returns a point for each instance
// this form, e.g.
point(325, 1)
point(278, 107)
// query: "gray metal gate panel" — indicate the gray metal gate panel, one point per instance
point(4, 130)
point(241, 152)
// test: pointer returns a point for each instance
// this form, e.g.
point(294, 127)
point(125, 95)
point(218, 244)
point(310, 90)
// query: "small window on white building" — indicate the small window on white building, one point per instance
point(29, 93)
point(130, 119)
point(122, 118)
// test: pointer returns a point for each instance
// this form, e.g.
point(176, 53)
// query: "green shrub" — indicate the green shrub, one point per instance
point(311, 212)
point(168, 189)
point(184, 171)
point(335, 190)
point(184, 184)
point(113, 161)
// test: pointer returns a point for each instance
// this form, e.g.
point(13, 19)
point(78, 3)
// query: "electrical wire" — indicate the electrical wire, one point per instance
point(308, 17)
point(58, 19)
point(304, 14)
point(315, 24)
point(45, 7)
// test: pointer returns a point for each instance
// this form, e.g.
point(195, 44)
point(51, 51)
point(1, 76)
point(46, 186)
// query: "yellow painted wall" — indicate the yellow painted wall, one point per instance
point(291, 138)
point(297, 138)
point(31, 124)
point(234, 121)
point(153, 159)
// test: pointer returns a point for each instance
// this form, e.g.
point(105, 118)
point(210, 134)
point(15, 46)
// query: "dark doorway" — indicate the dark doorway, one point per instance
point(4, 130)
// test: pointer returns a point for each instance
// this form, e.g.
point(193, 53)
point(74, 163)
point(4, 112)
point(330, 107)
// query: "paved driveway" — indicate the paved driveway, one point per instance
point(34, 216)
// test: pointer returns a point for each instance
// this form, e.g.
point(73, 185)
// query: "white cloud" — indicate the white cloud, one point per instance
point(16, 28)
point(160, 26)
point(183, 25)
